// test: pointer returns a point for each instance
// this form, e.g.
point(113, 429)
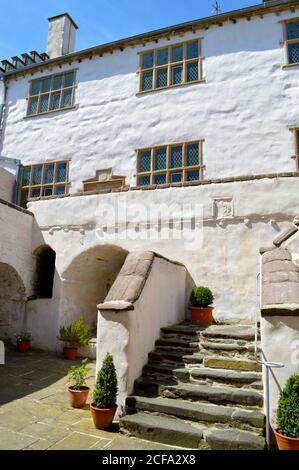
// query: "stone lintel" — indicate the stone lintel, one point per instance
point(284, 310)
point(117, 305)
point(285, 235)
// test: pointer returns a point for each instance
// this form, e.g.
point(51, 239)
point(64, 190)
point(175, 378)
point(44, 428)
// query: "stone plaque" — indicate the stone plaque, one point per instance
point(223, 208)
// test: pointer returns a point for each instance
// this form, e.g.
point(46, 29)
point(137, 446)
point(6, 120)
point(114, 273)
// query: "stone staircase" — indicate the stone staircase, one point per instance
point(201, 389)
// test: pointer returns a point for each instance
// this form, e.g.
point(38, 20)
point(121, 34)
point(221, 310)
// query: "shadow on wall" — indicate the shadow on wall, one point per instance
point(87, 281)
point(12, 302)
point(42, 309)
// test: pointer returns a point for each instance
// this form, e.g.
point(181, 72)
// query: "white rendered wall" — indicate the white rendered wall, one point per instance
point(131, 335)
point(243, 110)
point(15, 242)
point(227, 260)
point(7, 182)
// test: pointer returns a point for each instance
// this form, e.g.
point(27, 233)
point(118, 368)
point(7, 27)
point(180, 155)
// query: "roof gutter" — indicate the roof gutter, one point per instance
point(265, 7)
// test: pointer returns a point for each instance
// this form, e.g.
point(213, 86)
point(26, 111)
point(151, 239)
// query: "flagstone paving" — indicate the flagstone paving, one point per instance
point(35, 412)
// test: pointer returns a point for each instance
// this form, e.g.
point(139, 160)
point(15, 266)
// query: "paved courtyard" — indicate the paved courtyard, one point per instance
point(35, 412)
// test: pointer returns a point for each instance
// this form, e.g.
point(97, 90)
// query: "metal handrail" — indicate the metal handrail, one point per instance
point(266, 364)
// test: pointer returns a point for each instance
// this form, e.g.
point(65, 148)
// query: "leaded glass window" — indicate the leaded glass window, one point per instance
point(145, 161)
point(161, 78)
point(162, 57)
point(192, 72)
point(176, 157)
point(160, 178)
point(293, 53)
point(173, 163)
point(177, 74)
point(160, 159)
point(43, 180)
point(192, 155)
point(171, 66)
point(51, 93)
point(144, 180)
point(147, 81)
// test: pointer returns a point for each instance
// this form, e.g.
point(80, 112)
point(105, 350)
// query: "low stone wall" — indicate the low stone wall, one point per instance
point(149, 293)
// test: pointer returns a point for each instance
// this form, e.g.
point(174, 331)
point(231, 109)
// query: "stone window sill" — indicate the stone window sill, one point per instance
point(54, 111)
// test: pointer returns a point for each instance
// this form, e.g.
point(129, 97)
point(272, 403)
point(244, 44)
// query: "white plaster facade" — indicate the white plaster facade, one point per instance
point(243, 110)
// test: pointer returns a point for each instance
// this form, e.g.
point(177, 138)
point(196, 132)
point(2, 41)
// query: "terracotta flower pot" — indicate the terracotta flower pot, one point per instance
point(102, 417)
point(78, 397)
point(70, 353)
point(286, 443)
point(23, 346)
point(201, 315)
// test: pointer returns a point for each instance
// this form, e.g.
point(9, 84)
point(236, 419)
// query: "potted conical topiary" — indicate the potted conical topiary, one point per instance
point(287, 432)
point(78, 390)
point(104, 405)
point(201, 311)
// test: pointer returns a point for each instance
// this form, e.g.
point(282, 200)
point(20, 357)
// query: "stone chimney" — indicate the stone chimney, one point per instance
point(61, 35)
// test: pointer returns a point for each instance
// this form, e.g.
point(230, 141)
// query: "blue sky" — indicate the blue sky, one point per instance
point(23, 23)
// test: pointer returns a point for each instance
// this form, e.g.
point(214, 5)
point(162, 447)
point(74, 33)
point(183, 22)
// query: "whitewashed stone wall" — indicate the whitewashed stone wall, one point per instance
point(243, 110)
point(7, 182)
point(225, 256)
point(15, 269)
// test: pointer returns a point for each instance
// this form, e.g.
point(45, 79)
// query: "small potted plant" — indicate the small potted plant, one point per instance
point(287, 420)
point(74, 335)
point(23, 341)
point(201, 311)
point(104, 406)
point(78, 392)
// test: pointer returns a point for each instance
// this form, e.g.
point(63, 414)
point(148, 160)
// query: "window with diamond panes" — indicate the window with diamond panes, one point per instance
point(291, 34)
point(51, 93)
point(171, 66)
point(173, 163)
point(48, 179)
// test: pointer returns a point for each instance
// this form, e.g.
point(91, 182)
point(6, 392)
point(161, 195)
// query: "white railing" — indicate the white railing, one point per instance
point(266, 364)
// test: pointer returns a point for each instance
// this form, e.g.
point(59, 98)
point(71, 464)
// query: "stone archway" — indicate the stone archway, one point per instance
point(87, 281)
point(12, 302)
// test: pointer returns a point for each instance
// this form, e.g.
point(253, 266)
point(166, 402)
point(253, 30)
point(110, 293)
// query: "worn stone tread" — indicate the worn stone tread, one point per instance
point(162, 429)
point(229, 331)
point(177, 343)
point(175, 356)
point(231, 363)
point(220, 395)
point(197, 411)
point(232, 439)
point(225, 375)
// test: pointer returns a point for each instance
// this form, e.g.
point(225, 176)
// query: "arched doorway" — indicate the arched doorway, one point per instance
point(44, 272)
point(12, 302)
point(87, 281)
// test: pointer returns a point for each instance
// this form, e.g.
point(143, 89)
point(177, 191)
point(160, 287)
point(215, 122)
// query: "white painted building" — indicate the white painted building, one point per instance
point(200, 117)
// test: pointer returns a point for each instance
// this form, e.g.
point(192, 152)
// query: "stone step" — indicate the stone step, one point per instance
point(174, 356)
point(196, 411)
point(232, 348)
point(188, 435)
point(162, 429)
point(186, 329)
point(214, 394)
point(237, 332)
point(221, 362)
point(176, 370)
point(178, 345)
point(233, 439)
point(153, 387)
point(232, 377)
